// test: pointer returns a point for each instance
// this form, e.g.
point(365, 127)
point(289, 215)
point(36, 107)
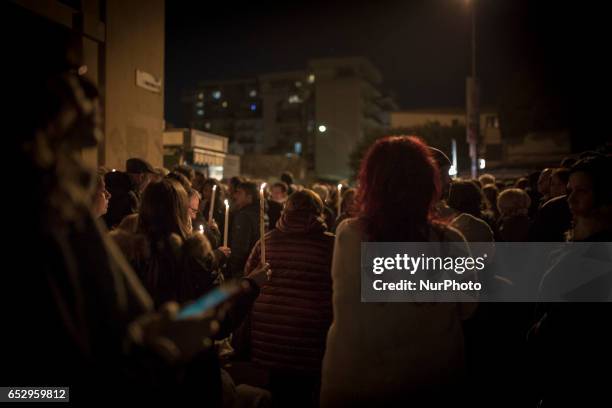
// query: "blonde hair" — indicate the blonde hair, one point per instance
point(513, 201)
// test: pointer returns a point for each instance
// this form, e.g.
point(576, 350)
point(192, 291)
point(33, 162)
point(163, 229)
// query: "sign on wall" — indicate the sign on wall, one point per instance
point(148, 81)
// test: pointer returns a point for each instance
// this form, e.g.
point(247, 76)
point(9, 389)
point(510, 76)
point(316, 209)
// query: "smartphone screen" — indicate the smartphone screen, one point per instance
point(206, 302)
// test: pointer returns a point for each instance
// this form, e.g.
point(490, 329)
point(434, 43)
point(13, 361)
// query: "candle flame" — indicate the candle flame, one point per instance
point(201, 228)
point(214, 187)
point(263, 186)
point(226, 203)
point(339, 186)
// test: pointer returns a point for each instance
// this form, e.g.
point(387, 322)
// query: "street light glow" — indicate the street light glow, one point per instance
point(322, 128)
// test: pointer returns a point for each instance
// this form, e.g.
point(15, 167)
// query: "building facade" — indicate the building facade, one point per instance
point(348, 104)
point(490, 147)
point(282, 113)
point(203, 151)
point(121, 48)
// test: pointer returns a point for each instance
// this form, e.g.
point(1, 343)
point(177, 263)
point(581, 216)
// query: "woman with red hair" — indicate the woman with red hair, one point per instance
point(379, 354)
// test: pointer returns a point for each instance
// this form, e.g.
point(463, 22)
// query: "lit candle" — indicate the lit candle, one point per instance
point(201, 229)
point(226, 225)
point(339, 198)
point(262, 226)
point(212, 203)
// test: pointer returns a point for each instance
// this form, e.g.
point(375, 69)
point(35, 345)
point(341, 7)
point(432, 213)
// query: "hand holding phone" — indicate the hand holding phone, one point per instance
point(211, 300)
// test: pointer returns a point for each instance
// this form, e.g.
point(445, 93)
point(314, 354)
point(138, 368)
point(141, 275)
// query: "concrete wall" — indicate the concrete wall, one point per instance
point(134, 116)
point(270, 166)
point(91, 59)
point(491, 135)
point(339, 108)
point(409, 119)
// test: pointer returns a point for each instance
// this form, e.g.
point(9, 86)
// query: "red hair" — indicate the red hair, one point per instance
point(399, 183)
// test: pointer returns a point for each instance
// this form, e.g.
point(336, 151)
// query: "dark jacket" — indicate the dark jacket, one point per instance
point(124, 200)
point(243, 234)
point(170, 270)
point(570, 343)
point(274, 211)
point(293, 312)
point(512, 229)
point(82, 296)
point(551, 222)
point(330, 218)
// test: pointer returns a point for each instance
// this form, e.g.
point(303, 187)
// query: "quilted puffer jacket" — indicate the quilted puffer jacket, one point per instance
point(293, 312)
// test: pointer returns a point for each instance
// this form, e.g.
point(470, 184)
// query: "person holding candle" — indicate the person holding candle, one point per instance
point(209, 228)
point(218, 212)
point(173, 263)
point(299, 252)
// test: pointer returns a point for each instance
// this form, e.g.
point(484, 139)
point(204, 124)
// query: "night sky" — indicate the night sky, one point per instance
point(422, 48)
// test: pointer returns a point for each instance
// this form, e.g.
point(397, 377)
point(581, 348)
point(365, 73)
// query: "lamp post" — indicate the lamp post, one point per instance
point(472, 102)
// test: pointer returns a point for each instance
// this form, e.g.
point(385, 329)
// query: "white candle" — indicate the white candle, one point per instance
point(226, 225)
point(262, 226)
point(212, 203)
point(339, 200)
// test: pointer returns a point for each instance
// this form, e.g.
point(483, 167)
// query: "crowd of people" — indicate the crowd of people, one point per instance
point(118, 253)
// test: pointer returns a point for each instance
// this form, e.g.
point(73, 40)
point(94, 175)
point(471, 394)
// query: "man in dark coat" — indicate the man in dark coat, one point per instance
point(244, 227)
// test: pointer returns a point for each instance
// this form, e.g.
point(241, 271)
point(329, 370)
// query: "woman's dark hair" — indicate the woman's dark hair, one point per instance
point(466, 197)
point(522, 183)
point(567, 162)
point(287, 177)
point(491, 192)
point(599, 169)
point(348, 198)
point(399, 184)
point(250, 188)
point(163, 210)
point(562, 174)
point(235, 181)
point(185, 171)
point(184, 181)
point(198, 181)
